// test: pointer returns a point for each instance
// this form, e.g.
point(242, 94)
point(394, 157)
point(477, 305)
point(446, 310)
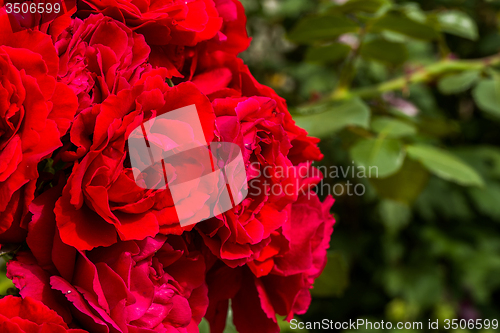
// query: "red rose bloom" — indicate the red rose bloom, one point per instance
point(232, 37)
point(278, 282)
point(143, 286)
point(214, 68)
point(181, 61)
point(151, 285)
point(35, 111)
point(99, 57)
point(27, 315)
point(241, 234)
point(52, 24)
point(162, 22)
point(101, 193)
point(111, 244)
point(219, 75)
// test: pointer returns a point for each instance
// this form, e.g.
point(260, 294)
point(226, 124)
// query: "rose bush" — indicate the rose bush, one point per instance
point(50, 23)
point(151, 285)
point(223, 75)
point(253, 123)
point(182, 61)
point(104, 249)
point(35, 112)
point(101, 192)
point(28, 315)
point(279, 279)
point(172, 22)
point(100, 56)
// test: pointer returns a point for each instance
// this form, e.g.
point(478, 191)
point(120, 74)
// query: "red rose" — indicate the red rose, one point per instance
point(279, 281)
point(35, 111)
point(218, 73)
point(307, 233)
point(232, 38)
point(101, 192)
point(100, 56)
point(170, 22)
point(108, 249)
point(151, 285)
point(52, 23)
point(304, 148)
point(138, 286)
point(241, 234)
point(19, 315)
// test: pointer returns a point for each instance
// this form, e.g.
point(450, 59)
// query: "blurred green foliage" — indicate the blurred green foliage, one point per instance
point(414, 89)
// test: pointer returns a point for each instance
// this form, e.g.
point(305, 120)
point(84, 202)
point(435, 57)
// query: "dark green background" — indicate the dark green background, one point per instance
point(412, 88)
point(424, 242)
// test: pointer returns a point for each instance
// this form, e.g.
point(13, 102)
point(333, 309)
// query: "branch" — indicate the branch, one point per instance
point(427, 73)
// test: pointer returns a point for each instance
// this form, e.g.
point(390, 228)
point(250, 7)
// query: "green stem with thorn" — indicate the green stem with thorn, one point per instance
point(425, 74)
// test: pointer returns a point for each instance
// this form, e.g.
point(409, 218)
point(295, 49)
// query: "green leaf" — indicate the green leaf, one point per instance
point(445, 165)
point(327, 54)
point(321, 28)
point(204, 326)
point(420, 285)
point(456, 83)
point(49, 166)
point(386, 155)
point(413, 11)
point(9, 249)
point(443, 311)
point(230, 328)
point(458, 23)
point(286, 327)
point(484, 159)
point(438, 126)
point(398, 310)
point(491, 157)
point(385, 51)
point(5, 283)
point(334, 279)
point(393, 128)
point(487, 97)
point(335, 117)
point(440, 199)
point(399, 22)
point(367, 6)
point(486, 200)
point(405, 185)
point(394, 215)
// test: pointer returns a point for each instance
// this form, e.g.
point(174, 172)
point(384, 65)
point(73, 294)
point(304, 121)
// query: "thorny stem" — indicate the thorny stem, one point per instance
point(427, 73)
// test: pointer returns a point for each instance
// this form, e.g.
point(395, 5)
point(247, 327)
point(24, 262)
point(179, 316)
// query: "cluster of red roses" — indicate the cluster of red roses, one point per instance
point(101, 253)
